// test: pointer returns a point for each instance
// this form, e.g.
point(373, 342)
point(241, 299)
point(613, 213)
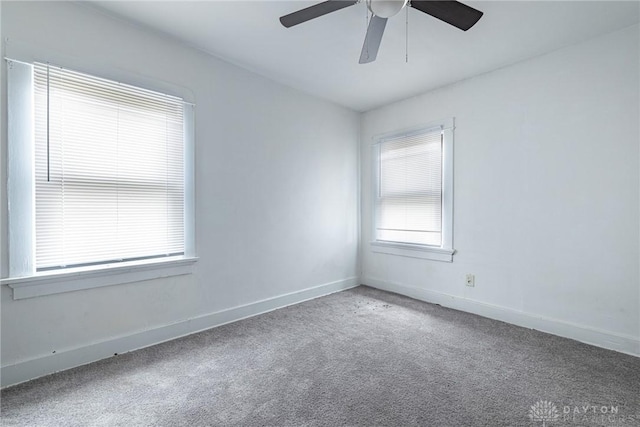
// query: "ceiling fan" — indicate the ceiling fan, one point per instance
point(452, 12)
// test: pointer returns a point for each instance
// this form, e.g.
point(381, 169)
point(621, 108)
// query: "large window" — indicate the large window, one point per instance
point(413, 200)
point(100, 173)
point(109, 171)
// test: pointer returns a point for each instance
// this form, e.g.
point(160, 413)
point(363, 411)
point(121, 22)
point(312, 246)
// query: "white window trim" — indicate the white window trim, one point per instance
point(436, 253)
point(75, 279)
point(25, 282)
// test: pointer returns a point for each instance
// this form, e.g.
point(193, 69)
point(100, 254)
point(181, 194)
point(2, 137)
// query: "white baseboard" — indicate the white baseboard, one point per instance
point(40, 366)
point(605, 339)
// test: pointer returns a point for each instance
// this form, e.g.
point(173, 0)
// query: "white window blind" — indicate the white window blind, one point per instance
point(109, 171)
point(409, 199)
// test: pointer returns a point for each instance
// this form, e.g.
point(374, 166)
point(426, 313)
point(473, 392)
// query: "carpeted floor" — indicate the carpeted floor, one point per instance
point(360, 357)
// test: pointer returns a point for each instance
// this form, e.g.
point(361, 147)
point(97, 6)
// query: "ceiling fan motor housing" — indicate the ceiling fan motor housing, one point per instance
point(386, 8)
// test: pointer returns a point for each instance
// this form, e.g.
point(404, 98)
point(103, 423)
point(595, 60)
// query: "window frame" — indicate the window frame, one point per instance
point(23, 278)
point(445, 251)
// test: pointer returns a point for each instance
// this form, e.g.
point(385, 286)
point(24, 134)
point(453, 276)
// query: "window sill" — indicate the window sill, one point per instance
point(55, 282)
point(413, 251)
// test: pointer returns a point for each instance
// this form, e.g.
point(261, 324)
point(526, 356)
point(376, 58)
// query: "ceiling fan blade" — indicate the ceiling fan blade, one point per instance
point(315, 11)
point(375, 30)
point(452, 12)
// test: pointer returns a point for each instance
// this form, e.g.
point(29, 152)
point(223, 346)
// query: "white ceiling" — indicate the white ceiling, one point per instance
point(321, 56)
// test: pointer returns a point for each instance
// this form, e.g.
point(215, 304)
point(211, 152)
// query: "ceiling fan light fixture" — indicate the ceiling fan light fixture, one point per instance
point(450, 11)
point(386, 8)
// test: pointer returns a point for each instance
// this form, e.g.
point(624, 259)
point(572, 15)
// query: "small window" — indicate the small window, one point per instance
point(413, 201)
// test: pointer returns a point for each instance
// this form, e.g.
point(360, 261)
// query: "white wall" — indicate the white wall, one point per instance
point(276, 197)
point(546, 194)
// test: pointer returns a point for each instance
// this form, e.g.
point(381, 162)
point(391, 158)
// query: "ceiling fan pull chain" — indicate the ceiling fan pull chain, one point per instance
point(366, 10)
point(406, 36)
point(366, 28)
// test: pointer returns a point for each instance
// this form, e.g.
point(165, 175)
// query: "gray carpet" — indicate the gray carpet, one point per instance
point(361, 357)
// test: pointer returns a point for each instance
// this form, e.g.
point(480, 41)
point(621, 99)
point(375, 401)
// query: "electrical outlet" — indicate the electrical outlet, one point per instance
point(471, 280)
